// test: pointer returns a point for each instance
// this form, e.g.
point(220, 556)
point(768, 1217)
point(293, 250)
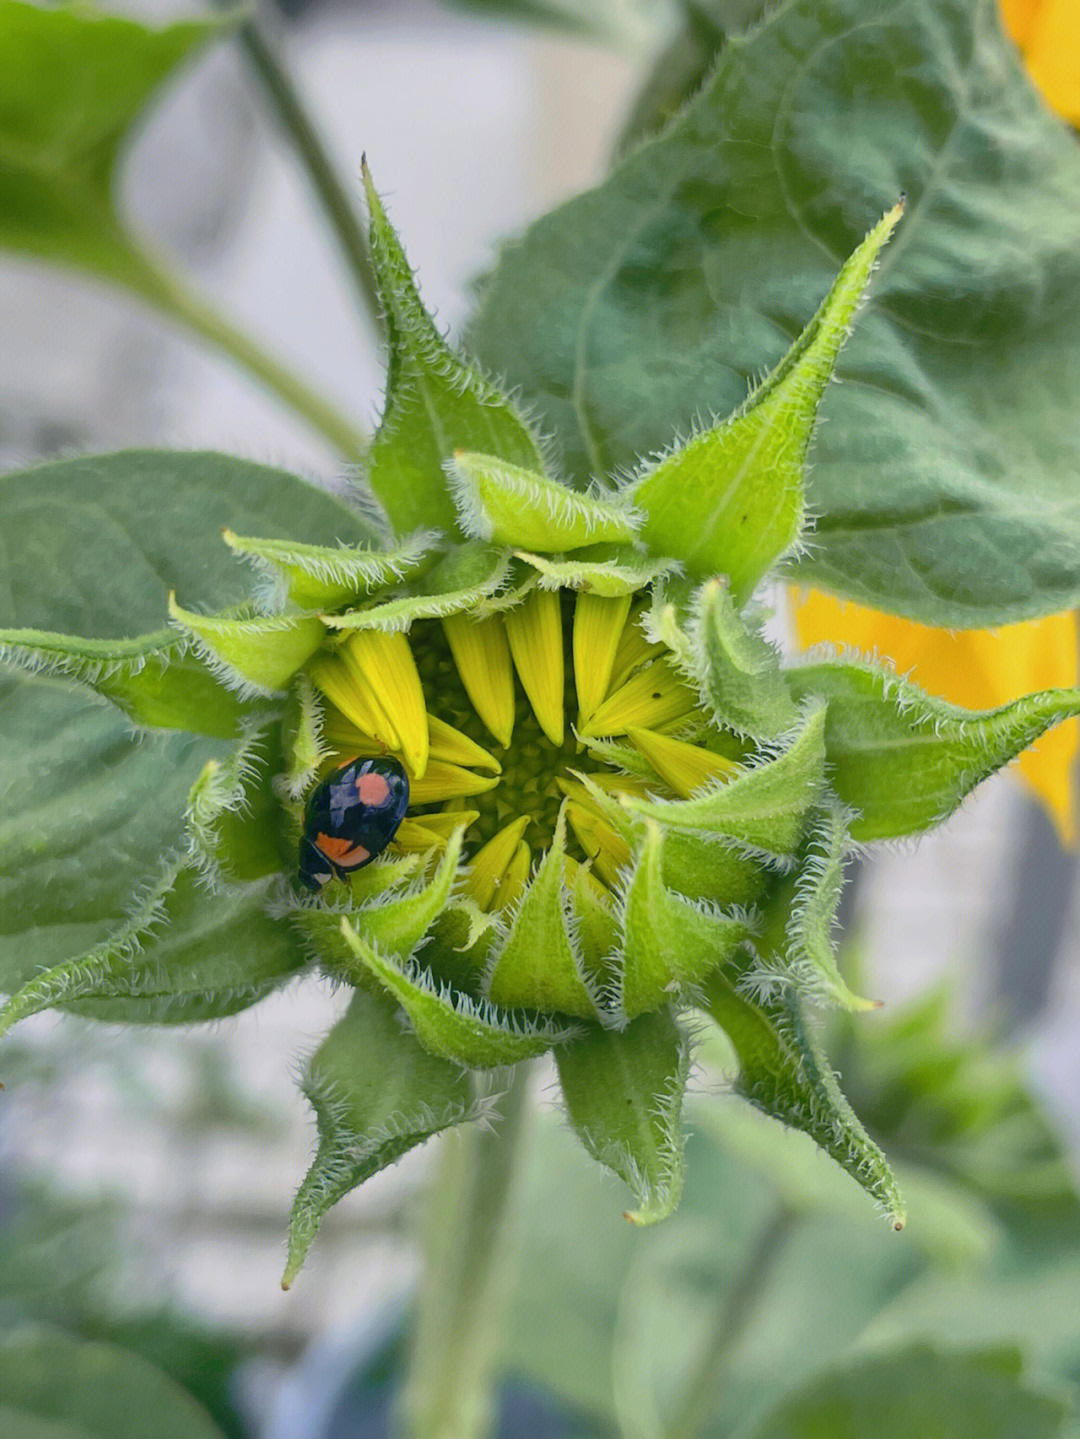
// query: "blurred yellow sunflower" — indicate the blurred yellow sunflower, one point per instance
point(980, 669)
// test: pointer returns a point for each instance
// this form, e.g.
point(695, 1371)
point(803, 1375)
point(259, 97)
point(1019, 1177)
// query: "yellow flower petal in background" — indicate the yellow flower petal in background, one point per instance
point(1048, 34)
point(978, 669)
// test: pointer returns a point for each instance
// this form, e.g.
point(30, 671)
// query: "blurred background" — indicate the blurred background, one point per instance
point(150, 1173)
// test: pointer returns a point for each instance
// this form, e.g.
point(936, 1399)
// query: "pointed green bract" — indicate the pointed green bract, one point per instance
point(377, 1093)
point(783, 1072)
point(323, 577)
point(736, 670)
point(394, 921)
point(670, 942)
point(257, 654)
point(181, 955)
point(804, 908)
point(608, 570)
point(435, 402)
point(525, 510)
point(731, 500)
point(304, 751)
point(624, 1093)
point(906, 760)
point(462, 579)
point(451, 1025)
point(765, 805)
point(541, 964)
point(155, 680)
point(233, 816)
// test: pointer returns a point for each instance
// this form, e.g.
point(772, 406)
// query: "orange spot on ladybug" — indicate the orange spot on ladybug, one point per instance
point(372, 789)
point(342, 851)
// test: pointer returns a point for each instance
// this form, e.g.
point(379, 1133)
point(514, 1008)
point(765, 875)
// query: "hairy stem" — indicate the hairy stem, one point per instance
point(168, 294)
point(474, 1203)
point(297, 124)
point(738, 1305)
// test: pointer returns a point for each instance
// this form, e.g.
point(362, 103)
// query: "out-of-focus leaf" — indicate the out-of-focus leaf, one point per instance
point(918, 1390)
point(71, 1389)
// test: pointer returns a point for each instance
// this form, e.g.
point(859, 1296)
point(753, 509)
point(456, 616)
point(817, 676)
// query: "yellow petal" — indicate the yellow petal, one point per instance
point(413, 836)
point(653, 697)
point(1019, 17)
point(384, 664)
point(516, 877)
point(449, 744)
point(488, 866)
point(482, 656)
point(606, 848)
point(1052, 52)
point(333, 677)
point(534, 629)
point(685, 767)
point(978, 669)
point(448, 820)
point(448, 781)
point(598, 628)
point(633, 649)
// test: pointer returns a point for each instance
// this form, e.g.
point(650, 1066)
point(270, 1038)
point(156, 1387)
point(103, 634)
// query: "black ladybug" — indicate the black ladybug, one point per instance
point(350, 818)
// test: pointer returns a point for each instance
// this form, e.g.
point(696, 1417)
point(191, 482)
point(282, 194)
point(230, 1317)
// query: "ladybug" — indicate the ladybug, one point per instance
point(350, 819)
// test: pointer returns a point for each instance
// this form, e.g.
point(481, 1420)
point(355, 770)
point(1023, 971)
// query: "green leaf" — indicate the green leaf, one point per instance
point(541, 965)
point(89, 814)
point(765, 805)
point(920, 1390)
point(324, 577)
point(670, 941)
point(234, 821)
point(464, 577)
point(730, 499)
point(734, 667)
point(435, 402)
point(181, 955)
point(525, 510)
point(95, 545)
point(66, 1388)
point(784, 1073)
point(609, 570)
point(394, 920)
point(256, 654)
point(906, 760)
point(452, 1025)
point(154, 679)
point(624, 1093)
point(944, 476)
point(76, 84)
point(377, 1093)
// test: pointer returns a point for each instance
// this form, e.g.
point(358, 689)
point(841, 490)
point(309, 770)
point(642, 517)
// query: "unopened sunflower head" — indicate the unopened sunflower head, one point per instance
point(622, 810)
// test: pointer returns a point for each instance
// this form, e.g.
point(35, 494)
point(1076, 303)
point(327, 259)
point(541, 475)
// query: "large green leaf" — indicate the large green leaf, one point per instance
point(946, 477)
point(74, 85)
point(58, 1387)
point(94, 545)
point(917, 1390)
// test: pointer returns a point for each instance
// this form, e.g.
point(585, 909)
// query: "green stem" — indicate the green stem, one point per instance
point(474, 1202)
point(740, 1302)
point(297, 124)
point(165, 291)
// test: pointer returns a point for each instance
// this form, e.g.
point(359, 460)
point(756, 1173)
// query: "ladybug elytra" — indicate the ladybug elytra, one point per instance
point(350, 819)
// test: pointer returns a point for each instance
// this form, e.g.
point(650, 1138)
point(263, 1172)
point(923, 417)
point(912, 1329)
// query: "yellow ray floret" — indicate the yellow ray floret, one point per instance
point(482, 656)
point(384, 664)
point(448, 781)
point(979, 669)
point(489, 865)
point(534, 629)
point(606, 848)
point(633, 649)
point(685, 767)
point(598, 627)
point(653, 697)
point(335, 679)
point(516, 877)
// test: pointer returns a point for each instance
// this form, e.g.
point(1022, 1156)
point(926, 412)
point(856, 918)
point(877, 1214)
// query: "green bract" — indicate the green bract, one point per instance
point(626, 818)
